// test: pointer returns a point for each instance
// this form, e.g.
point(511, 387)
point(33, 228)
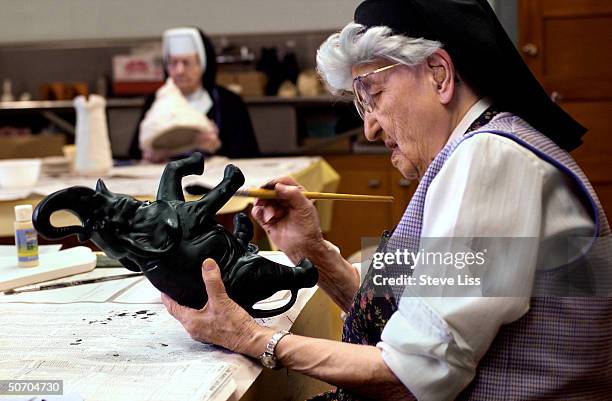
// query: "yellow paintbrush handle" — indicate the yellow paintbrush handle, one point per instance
point(271, 194)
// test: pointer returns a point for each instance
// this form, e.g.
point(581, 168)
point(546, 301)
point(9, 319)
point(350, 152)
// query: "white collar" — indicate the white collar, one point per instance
point(200, 100)
point(468, 119)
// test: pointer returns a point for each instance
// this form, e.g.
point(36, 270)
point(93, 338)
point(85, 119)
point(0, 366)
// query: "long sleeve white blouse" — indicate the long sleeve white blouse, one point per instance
point(489, 187)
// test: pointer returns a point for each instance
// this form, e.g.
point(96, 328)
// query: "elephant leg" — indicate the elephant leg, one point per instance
point(254, 278)
point(210, 203)
point(170, 187)
point(243, 229)
point(129, 264)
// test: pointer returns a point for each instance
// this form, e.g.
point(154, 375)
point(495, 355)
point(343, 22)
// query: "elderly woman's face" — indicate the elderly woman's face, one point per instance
point(186, 72)
point(406, 115)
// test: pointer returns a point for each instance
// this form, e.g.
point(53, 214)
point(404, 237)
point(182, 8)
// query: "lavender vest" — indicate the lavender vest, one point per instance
point(561, 349)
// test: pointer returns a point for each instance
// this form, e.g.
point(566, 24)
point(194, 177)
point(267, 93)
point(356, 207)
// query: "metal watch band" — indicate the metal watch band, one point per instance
point(268, 358)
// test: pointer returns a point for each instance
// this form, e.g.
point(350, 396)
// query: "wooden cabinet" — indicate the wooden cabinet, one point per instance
point(285, 125)
point(566, 44)
point(372, 175)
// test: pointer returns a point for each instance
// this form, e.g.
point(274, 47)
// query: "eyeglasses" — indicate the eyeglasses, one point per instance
point(364, 102)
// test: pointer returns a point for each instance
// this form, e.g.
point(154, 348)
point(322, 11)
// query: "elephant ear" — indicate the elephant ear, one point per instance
point(102, 189)
point(155, 230)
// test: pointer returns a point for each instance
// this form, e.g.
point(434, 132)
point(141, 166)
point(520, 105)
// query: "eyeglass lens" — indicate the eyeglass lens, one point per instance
point(363, 100)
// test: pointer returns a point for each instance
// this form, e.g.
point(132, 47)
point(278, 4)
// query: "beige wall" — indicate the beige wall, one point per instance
point(40, 20)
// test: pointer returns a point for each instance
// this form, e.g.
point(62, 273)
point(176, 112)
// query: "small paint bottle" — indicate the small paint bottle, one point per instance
point(26, 239)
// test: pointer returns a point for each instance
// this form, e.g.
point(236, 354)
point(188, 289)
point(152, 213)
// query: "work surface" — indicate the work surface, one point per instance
point(142, 180)
point(115, 340)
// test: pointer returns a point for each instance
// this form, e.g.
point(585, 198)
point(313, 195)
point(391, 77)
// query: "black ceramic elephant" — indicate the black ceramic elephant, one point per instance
point(168, 239)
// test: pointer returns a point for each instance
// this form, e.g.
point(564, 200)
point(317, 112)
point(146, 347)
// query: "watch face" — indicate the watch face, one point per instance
point(268, 361)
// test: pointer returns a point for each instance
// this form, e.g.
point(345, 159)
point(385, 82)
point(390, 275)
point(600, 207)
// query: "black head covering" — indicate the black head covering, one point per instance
point(483, 54)
point(209, 75)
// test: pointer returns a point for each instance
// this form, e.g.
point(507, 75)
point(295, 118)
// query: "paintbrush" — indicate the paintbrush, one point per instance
point(262, 193)
point(72, 283)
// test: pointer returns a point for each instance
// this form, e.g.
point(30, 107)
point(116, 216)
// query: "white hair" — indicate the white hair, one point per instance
point(356, 45)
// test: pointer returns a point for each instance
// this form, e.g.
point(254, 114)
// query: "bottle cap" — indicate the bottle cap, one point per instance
point(23, 212)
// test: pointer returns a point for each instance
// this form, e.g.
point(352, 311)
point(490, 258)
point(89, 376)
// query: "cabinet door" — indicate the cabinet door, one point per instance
point(352, 221)
point(566, 43)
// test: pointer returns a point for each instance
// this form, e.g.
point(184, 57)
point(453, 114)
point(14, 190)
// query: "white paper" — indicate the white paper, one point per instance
point(134, 290)
point(109, 352)
point(119, 185)
point(91, 293)
point(143, 179)
point(256, 172)
point(138, 171)
point(105, 347)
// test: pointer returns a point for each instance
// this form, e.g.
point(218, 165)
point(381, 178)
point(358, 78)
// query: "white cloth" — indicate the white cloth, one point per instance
point(470, 116)
point(174, 119)
point(489, 187)
point(200, 100)
point(183, 41)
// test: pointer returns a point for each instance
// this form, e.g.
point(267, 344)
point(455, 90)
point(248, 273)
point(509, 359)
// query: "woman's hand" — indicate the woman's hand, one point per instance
point(209, 141)
point(221, 321)
point(156, 156)
point(291, 221)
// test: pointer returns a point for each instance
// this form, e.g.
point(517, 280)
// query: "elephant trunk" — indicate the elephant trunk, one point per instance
point(78, 200)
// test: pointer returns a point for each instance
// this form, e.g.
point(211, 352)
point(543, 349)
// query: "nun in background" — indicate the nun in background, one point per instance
point(441, 84)
point(190, 61)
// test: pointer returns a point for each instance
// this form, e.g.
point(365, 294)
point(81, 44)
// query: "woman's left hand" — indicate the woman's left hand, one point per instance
point(221, 321)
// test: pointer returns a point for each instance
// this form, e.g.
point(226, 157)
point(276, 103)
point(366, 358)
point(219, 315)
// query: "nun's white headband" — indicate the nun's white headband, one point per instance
point(182, 41)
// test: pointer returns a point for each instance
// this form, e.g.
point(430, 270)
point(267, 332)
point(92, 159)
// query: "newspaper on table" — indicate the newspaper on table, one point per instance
point(116, 341)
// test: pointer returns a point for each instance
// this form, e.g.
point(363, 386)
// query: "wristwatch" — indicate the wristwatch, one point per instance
point(268, 359)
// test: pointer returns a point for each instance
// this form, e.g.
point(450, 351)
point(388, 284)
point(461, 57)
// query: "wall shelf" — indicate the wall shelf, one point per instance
point(281, 124)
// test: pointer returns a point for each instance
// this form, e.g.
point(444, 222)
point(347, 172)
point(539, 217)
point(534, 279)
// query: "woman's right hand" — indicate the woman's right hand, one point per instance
point(291, 221)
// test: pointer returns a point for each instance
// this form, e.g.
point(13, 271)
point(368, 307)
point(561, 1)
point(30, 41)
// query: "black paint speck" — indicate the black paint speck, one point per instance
point(164, 345)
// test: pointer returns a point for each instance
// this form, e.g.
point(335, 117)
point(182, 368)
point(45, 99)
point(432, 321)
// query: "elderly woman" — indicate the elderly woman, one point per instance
point(190, 60)
point(439, 82)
